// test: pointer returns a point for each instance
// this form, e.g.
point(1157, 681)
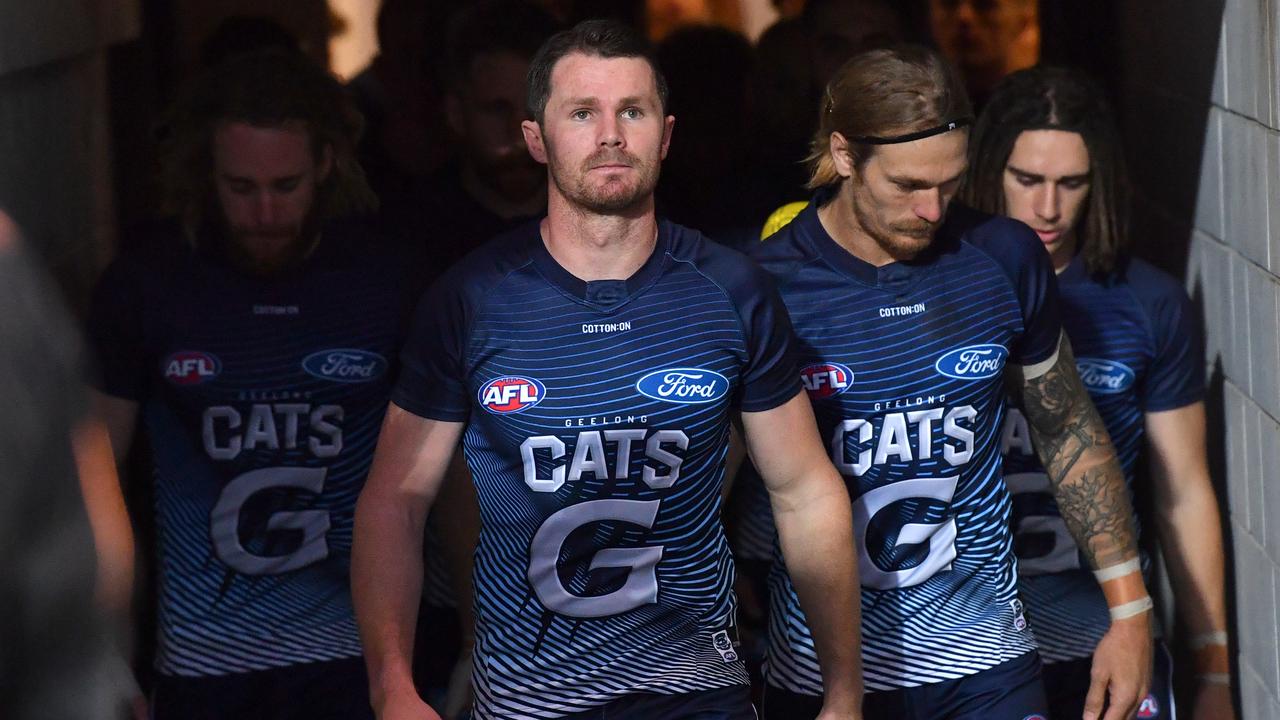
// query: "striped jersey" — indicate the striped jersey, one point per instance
point(905, 365)
point(1138, 350)
point(597, 420)
point(262, 400)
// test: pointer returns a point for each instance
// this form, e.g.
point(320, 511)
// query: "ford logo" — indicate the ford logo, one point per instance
point(1106, 377)
point(684, 385)
point(976, 362)
point(345, 365)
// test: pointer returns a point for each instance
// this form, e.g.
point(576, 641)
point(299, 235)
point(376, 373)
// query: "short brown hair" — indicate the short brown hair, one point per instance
point(884, 92)
point(269, 88)
point(596, 38)
point(1050, 98)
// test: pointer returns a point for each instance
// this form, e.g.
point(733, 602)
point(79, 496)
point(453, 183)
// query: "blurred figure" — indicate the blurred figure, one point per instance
point(710, 179)
point(257, 343)
point(401, 96)
point(56, 659)
point(667, 16)
point(1046, 151)
point(840, 29)
point(986, 39)
point(494, 184)
point(241, 34)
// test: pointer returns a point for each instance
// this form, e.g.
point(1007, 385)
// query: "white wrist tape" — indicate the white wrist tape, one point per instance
point(1119, 570)
point(1214, 678)
point(1204, 640)
point(1129, 609)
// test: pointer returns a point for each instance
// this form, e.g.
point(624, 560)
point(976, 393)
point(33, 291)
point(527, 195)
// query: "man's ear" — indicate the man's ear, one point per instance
point(841, 156)
point(668, 123)
point(533, 140)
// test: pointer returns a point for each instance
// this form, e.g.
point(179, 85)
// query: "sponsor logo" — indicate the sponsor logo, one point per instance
point(191, 367)
point(511, 394)
point(1107, 377)
point(824, 380)
point(684, 385)
point(345, 365)
point(723, 645)
point(976, 362)
point(1019, 619)
point(1149, 707)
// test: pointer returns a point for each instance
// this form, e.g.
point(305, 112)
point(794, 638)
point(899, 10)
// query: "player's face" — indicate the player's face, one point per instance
point(486, 115)
point(266, 180)
point(901, 194)
point(1046, 185)
point(978, 33)
point(603, 135)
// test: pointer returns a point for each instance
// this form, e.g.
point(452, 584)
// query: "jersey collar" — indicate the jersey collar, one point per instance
point(604, 295)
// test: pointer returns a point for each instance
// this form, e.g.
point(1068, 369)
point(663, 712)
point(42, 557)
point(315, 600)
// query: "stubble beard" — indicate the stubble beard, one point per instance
point(613, 197)
point(900, 243)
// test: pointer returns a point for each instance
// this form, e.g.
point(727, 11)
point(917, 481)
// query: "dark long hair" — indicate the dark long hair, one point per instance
point(270, 88)
point(1051, 98)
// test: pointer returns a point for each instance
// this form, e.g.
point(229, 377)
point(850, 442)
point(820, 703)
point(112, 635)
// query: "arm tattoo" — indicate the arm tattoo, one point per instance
point(1080, 461)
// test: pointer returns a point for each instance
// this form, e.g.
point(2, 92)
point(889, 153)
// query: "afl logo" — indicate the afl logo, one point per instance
point(1106, 377)
point(824, 380)
point(1149, 707)
point(345, 365)
point(976, 362)
point(191, 367)
point(511, 394)
point(684, 385)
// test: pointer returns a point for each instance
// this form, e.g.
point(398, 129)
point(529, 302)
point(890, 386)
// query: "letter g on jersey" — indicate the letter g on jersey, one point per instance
point(975, 362)
point(641, 586)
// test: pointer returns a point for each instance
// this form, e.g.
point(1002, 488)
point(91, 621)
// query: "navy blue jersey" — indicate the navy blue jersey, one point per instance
point(1138, 350)
point(905, 364)
point(597, 422)
point(262, 400)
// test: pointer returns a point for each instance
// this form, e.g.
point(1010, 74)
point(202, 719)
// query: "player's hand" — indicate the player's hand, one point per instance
point(1213, 702)
point(1121, 672)
point(405, 705)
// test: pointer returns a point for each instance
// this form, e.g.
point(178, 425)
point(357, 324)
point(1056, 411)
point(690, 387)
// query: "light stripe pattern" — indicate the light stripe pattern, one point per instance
point(916, 433)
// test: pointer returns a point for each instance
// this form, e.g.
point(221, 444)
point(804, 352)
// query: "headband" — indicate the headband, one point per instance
point(945, 127)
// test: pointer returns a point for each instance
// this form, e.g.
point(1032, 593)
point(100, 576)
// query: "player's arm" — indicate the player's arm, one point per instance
point(1187, 518)
point(812, 511)
point(386, 556)
point(1088, 485)
point(99, 442)
point(456, 522)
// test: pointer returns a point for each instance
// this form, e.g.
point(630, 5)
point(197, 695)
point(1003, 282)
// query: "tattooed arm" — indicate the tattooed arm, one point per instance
point(1093, 500)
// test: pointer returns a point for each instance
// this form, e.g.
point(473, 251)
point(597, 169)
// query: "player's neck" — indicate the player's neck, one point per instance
point(599, 247)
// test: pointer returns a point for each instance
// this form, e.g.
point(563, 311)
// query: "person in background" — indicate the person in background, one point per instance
point(986, 39)
point(1046, 151)
point(257, 344)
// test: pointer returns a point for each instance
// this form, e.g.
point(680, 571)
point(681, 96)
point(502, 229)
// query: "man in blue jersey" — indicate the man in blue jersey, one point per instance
point(912, 316)
point(1046, 152)
point(257, 342)
point(593, 360)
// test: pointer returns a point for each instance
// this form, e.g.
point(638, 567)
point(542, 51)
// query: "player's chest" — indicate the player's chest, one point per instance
point(1112, 347)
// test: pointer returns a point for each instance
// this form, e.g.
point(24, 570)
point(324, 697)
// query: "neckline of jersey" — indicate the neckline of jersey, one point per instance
point(897, 277)
point(584, 291)
point(1074, 272)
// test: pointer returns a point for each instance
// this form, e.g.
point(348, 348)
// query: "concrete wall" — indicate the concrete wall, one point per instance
point(55, 160)
point(1201, 92)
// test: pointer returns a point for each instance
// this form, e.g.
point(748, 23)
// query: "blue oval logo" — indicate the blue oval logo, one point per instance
point(975, 362)
point(1106, 377)
point(689, 386)
point(345, 365)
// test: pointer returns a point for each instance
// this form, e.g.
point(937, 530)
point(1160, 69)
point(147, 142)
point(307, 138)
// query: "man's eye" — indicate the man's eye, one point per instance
point(632, 113)
point(1027, 180)
point(581, 114)
point(288, 185)
point(1075, 184)
point(241, 188)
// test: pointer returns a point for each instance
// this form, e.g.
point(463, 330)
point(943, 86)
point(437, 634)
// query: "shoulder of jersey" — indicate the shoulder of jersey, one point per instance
point(493, 260)
point(1147, 279)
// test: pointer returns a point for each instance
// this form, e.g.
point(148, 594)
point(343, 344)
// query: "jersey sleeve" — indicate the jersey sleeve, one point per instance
point(1026, 263)
point(1176, 376)
point(432, 381)
point(116, 334)
point(769, 377)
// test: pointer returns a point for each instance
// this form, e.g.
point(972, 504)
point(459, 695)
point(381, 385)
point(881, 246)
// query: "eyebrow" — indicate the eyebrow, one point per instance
point(918, 183)
point(1038, 176)
point(594, 102)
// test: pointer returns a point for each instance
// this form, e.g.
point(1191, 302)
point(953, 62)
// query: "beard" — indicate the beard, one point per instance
point(615, 195)
point(269, 251)
point(903, 240)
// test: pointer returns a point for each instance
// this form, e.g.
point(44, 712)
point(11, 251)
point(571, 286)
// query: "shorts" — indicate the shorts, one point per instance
point(1067, 684)
point(730, 703)
point(1013, 690)
point(333, 690)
